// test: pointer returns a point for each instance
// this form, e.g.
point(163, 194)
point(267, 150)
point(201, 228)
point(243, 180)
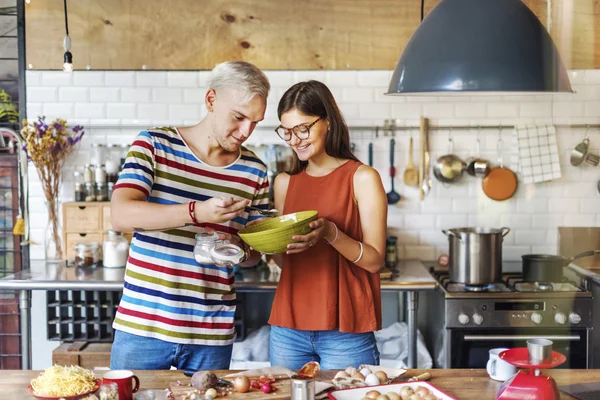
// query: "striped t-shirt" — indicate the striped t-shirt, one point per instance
point(167, 294)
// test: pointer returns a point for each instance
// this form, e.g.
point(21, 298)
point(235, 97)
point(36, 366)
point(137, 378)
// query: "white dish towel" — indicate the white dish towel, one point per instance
point(538, 153)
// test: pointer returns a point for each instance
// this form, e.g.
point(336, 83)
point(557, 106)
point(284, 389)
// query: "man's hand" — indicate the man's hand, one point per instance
point(218, 210)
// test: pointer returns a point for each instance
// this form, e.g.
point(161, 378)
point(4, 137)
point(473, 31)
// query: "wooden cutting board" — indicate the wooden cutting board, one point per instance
point(283, 391)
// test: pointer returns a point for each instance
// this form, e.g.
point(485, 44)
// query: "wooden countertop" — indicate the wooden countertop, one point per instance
point(464, 384)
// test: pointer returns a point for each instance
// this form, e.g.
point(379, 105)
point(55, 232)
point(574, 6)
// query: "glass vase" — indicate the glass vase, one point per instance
point(53, 242)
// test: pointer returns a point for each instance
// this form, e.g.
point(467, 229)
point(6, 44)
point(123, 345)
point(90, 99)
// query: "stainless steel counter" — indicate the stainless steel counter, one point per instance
point(409, 276)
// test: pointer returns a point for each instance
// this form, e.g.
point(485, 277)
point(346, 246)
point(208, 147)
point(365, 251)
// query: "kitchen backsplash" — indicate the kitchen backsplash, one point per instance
point(111, 106)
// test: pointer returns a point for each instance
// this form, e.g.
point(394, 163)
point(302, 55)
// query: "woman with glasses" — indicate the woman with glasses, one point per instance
point(328, 300)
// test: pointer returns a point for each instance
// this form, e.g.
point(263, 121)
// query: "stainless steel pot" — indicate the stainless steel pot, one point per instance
point(475, 255)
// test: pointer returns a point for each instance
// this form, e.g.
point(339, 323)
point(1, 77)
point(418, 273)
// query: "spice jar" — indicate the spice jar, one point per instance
point(109, 391)
point(209, 249)
point(115, 250)
point(88, 174)
point(101, 192)
point(90, 192)
point(78, 186)
point(100, 174)
point(391, 251)
point(87, 255)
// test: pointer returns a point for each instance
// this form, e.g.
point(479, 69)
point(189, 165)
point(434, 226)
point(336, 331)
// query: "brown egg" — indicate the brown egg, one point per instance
point(422, 391)
point(382, 397)
point(358, 375)
point(373, 394)
point(383, 378)
point(393, 396)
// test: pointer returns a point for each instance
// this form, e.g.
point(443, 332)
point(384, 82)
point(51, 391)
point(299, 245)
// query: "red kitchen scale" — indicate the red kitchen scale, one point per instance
point(529, 383)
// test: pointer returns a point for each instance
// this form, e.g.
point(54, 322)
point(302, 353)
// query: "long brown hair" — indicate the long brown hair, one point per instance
point(313, 98)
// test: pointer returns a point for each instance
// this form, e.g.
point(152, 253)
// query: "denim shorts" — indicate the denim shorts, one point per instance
point(292, 348)
point(138, 352)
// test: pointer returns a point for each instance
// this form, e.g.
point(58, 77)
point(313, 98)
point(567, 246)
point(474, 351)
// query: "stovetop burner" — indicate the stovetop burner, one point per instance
point(461, 287)
point(511, 282)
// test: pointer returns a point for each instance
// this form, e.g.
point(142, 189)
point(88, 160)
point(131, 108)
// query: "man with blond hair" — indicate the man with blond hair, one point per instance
point(177, 182)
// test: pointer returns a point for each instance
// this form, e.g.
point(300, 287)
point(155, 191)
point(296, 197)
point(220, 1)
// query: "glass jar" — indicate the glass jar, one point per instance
point(123, 153)
point(209, 249)
point(98, 153)
point(108, 391)
point(100, 174)
point(90, 192)
point(88, 173)
point(101, 192)
point(78, 186)
point(145, 395)
point(110, 188)
point(391, 251)
point(115, 250)
point(87, 255)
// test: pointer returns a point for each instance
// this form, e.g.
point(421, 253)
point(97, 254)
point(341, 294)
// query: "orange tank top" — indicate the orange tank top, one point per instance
point(319, 289)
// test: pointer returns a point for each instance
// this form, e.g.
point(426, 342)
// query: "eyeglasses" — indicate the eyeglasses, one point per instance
point(302, 132)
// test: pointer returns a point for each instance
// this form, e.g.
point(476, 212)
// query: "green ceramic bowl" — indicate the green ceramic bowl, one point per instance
point(272, 235)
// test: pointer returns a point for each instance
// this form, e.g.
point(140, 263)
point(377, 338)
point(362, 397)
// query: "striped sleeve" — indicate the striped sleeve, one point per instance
point(138, 171)
point(261, 198)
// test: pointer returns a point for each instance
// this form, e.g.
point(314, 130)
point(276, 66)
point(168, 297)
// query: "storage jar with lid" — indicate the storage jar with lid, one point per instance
point(87, 255)
point(209, 249)
point(115, 250)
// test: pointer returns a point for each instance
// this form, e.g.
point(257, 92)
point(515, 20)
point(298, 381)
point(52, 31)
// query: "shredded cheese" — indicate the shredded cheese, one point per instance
point(60, 381)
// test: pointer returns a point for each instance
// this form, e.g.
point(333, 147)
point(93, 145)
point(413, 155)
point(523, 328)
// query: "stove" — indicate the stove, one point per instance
point(506, 314)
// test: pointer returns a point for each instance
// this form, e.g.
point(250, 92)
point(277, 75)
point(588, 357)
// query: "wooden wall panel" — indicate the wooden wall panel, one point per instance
point(273, 34)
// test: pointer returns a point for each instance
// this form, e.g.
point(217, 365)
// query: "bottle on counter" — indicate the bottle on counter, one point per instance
point(115, 250)
point(391, 251)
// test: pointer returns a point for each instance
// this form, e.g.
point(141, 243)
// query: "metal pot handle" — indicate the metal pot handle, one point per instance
point(505, 229)
point(449, 233)
point(584, 254)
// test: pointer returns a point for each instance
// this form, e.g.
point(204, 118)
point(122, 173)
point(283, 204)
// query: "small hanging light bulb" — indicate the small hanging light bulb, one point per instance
point(68, 58)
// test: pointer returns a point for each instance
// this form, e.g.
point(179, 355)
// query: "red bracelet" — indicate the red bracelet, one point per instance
point(191, 208)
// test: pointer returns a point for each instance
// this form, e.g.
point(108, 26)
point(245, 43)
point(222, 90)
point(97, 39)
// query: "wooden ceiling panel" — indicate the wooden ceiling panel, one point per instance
point(273, 34)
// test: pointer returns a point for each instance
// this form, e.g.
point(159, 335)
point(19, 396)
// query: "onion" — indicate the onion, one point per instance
point(241, 384)
point(266, 388)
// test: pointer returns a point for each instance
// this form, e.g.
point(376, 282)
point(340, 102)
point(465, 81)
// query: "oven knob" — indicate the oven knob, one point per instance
point(560, 318)
point(463, 319)
point(574, 318)
point(478, 319)
point(536, 318)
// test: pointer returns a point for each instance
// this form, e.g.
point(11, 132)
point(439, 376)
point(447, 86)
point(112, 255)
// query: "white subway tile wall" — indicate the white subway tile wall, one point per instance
point(113, 106)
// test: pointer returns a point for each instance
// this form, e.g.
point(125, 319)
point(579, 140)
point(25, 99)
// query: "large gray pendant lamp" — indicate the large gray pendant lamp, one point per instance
point(480, 47)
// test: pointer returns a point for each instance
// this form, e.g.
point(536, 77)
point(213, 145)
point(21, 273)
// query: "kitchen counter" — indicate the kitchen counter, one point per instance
point(463, 384)
point(587, 270)
point(409, 276)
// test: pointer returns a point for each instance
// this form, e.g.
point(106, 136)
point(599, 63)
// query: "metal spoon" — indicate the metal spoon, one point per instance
point(268, 213)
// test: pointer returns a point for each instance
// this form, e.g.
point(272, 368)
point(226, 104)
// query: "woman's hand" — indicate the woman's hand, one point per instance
point(321, 228)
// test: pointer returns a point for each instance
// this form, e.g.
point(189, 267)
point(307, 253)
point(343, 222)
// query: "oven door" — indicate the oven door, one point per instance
point(469, 348)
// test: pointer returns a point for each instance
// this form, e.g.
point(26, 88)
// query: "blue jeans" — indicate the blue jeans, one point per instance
point(292, 348)
point(139, 352)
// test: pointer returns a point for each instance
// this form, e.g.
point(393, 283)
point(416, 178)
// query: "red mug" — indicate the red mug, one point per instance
point(123, 379)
